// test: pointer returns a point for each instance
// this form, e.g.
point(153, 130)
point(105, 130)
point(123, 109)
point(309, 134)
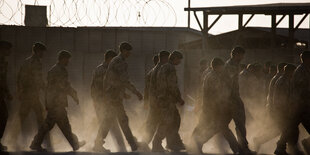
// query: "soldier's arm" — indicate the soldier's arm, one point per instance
point(124, 79)
point(172, 81)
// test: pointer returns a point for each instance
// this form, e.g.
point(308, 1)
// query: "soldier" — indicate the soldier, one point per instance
point(58, 87)
point(29, 85)
point(115, 83)
point(299, 109)
point(98, 99)
point(147, 83)
point(168, 95)
point(152, 121)
point(238, 110)
point(270, 133)
point(280, 71)
point(216, 114)
point(5, 49)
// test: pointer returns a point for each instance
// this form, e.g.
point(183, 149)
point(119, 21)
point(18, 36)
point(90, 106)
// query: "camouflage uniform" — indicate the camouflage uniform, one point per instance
point(216, 113)
point(300, 106)
point(98, 99)
point(238, 110)
point(152, 118)
point(58, 87)
point(29, 84)
point(4, 93)
point(115, 83)
point(168, 95)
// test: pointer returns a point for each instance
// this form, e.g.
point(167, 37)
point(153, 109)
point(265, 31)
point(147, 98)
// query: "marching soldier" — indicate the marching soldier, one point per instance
point(216, 114)
point(29, 85)
point(300, 113)
point(168, 96)
point(58, 87)
point(98, 99)
point(152, 121)
point(115, 83)
point(238, 110)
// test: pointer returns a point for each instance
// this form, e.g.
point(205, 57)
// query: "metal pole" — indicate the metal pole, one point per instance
point(189, 15)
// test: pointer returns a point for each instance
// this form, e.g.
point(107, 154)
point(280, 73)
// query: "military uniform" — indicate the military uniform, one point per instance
point(238, 110)
point(29, 84)
point(300, 106)
point(152, 121)
point(58, 88)
point(115, 83)
point(168, 95)
point(216, 113)
point(98, 99)
point(4, 93)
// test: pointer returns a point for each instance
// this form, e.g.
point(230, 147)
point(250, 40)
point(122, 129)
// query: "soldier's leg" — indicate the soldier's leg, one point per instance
point(65, 127)
point(151, 125)
point(24, 110)
point(231, 139)
point(202, 134)
point(103, 131)
point(286, 134)
point(43, 130)
point(39, 112)
point(118, 137)
point(124, 124)
point(3, 121)
point(165, 121)
point(238, 114)
point(174, 141)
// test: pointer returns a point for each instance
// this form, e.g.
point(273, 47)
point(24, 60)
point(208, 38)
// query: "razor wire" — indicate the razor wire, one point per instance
point(73, 13)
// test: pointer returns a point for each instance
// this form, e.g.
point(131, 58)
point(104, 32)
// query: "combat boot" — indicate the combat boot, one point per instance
point(280, 152)
point(3, 148)
point(306, 145)
point(37, 147)
point(80, 144)
point(101, 149)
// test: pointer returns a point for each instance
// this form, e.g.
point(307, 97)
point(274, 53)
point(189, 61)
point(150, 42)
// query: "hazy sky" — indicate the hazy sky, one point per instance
point(135, 13)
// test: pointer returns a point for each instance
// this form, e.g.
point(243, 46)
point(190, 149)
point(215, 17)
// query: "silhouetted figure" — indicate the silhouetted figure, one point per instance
point(30, 84)
point(98, 100)
point(147, 84)
point(300, 107)
point(115, 83)
point(169, 95)
point(238, 110)
point(216, 113)
point(5, 95)
point(58, 88)
point(270, 132)
point(153, 118)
